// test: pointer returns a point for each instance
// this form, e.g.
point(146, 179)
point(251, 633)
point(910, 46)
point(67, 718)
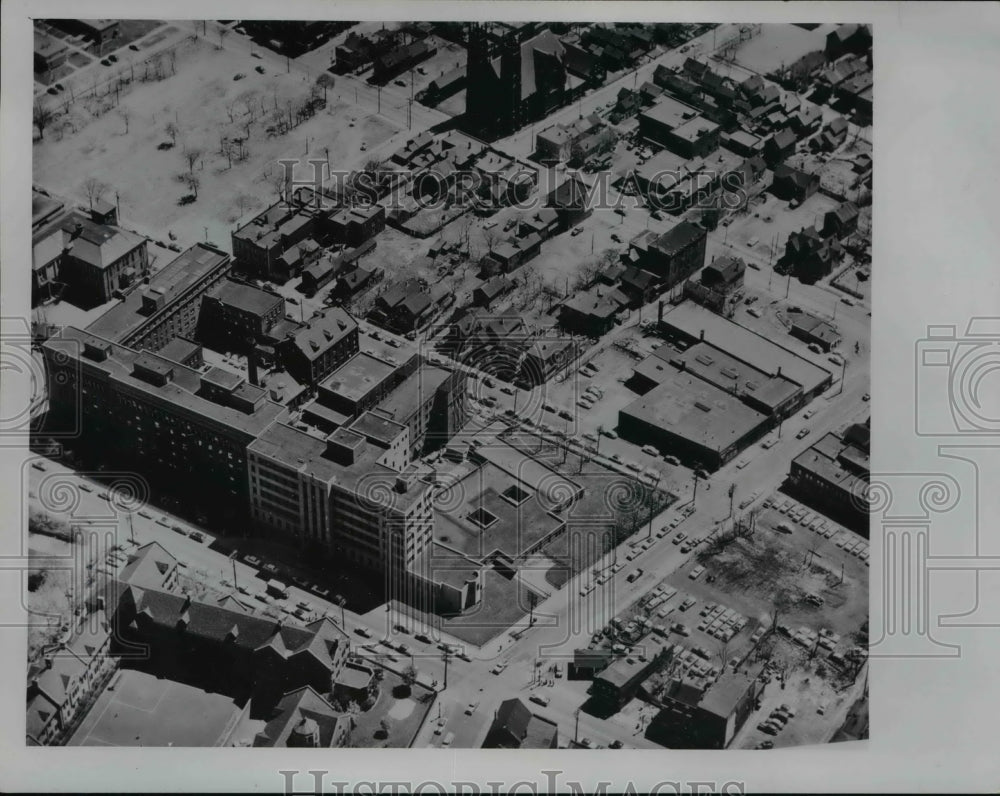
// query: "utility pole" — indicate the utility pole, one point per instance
point(788, 284)
point(694, 497)
point(446, 656)
point(379, 100)
point(131, 529)
point(576, 729)
point(233, 559)
point(843, 372)
point(732, 493)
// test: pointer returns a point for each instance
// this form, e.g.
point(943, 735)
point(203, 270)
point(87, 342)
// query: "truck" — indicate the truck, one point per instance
point(276, 588)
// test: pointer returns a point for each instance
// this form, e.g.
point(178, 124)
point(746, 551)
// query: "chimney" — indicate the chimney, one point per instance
point(252, 368)
point(77, 231)
point(701, 336)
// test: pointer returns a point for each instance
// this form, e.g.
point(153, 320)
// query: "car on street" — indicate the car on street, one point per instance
point(539, 699)
point(767, 728)
point(364, 632)
point(471, 708)
point(178, 529)
point(680, 537)
point(565, 414)
point(198, 536)
point(498, 668)
point(650, 450)
point(423, 638)
point(576, 231)
point(697, 572)
point(866, 397)
point(634, 575)
point(802, 433)
point(448, 739)
point(617, 459)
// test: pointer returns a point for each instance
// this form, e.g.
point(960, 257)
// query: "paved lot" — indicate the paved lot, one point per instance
point(143, 710)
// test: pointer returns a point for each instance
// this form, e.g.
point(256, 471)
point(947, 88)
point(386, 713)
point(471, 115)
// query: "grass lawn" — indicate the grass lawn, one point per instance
point(504, 603)
point(403, 716)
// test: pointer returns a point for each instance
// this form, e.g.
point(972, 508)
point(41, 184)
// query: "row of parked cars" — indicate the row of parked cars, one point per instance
point(271, 570)
point(776, 722)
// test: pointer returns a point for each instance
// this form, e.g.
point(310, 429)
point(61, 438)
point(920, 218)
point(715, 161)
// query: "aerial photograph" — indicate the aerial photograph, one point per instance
point(449, 384)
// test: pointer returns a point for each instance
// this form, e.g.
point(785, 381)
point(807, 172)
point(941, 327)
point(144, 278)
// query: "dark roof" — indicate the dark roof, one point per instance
point(783, 139)
point(246, 298)
point(679, 238)
point(516, 727)
point(301, 712)
point(724, 269)
point(801, 178)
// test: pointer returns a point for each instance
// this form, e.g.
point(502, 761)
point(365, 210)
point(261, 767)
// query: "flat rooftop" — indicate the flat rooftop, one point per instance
point(170, 281)
point(246, 298)
point(623, 670)
point(695, 129)
point(725, 371)
point(500, 506)
point(358, 376)
point(416, 389)
point(670, 112)
point(181, 391)
point(306, 452)
point(691, 320)
point(695, 410)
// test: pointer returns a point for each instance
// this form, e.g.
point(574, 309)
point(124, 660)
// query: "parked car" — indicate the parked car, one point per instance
point(803, 433)
point(539, 699)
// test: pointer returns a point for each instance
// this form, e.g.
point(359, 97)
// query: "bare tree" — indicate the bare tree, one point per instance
point(41, 116)
point(94, 189)
point(244, 202)
point(231, 109)
point(171, 130)
point(191, 154)
point(126, 115)
point(492, 238)
point(250, 104)
point(223, 30)
point(192, 183)
point(278, 179)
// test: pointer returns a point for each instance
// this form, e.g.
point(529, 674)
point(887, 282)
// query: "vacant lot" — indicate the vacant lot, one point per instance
point(780, 45)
